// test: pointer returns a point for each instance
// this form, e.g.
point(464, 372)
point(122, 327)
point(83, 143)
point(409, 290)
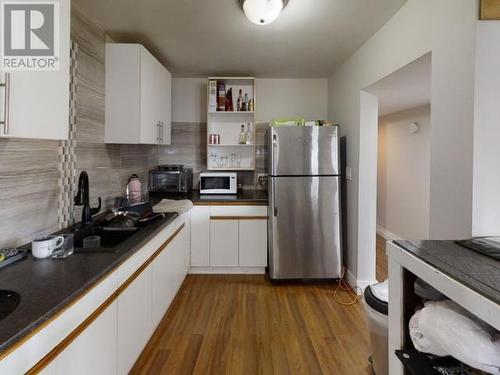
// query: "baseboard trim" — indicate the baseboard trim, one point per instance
point(351, 279)
point(387, 235)
point(358, 285)
point(227, 270)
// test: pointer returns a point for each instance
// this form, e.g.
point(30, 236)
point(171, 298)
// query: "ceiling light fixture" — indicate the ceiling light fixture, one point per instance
point(263, 12)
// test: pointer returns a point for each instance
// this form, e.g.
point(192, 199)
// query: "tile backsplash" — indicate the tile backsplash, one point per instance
point(28, 189)
point(189, 147)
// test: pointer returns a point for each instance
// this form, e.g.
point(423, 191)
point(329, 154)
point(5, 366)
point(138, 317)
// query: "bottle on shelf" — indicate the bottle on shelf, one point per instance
point(251, 105)
point(243, 135)
point(221, 96)
point(229, 100)
point(249, 134)
point(245, 103)
point(212, 94)
point(239, 103)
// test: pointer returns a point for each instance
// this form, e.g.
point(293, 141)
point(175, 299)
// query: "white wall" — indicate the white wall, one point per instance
point(189, 100)
point(291, 98)
point(275, 98)
point(446, 28)
point(486, 202)
point(404, 174)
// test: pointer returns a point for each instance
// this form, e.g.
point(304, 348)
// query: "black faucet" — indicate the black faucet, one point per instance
point(82, 199)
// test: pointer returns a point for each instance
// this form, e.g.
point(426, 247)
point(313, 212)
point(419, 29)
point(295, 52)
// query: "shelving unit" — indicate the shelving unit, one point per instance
point(250, 113)
point(230, 145)
point(229, 155)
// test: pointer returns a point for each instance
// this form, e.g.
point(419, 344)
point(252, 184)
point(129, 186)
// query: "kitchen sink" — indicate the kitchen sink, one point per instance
point(9, 301)
point(110, 239)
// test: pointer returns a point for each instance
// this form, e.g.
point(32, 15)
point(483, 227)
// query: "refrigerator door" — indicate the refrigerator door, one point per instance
point(304, 150)
point(304, 228)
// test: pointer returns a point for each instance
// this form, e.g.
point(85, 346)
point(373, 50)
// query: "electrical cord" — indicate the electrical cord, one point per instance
point(343, 286)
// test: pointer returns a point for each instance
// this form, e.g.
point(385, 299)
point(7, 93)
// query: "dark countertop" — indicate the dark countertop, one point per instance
point(474, 270)
point(249, 197)
point(48, 285)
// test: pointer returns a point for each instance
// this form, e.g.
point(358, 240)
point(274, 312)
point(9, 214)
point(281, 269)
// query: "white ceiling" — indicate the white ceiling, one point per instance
point(409, 87)
point(204, 37)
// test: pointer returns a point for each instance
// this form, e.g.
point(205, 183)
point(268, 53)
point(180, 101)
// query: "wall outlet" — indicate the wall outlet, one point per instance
point(348, 173)
point(261, 178)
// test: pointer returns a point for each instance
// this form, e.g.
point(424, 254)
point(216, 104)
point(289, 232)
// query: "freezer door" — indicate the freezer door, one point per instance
point(304, 150)
point(304, 228)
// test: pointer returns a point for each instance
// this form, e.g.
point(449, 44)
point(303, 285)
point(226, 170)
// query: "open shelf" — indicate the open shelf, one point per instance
point(232, 113)
point(230, 145)
point(233, 78)
point(417, 363)
point(227, 125)
point(233, 169)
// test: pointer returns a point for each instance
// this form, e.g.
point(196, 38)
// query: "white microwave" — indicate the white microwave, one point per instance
point(218, 183)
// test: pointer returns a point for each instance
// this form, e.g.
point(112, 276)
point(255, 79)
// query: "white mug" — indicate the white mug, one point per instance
point(43, 247)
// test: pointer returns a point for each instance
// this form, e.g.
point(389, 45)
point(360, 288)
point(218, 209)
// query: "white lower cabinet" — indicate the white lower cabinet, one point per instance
point(162, 289)
point(168, 272)
point(234, 237)
point(223, 243)
point(252, 242)
point(134, 325)
point(111, 344)
point(92, 352)
point(200, 236)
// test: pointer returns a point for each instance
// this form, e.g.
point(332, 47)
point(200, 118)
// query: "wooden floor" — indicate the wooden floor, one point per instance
point(245, 325)
point(382, 269)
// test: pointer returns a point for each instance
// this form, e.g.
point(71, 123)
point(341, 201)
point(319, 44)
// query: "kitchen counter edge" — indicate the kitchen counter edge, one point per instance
point(10, 344)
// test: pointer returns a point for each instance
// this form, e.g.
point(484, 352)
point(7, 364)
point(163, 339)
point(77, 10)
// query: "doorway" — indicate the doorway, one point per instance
point(402, 168)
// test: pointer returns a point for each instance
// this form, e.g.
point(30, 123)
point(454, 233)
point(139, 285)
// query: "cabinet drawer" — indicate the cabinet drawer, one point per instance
point(237, 211)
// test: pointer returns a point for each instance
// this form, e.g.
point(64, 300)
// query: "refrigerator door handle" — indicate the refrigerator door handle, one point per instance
point(275, 149)
point(274, 204)
point(273, 171)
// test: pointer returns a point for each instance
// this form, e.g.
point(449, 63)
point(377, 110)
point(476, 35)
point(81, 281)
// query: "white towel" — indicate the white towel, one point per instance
point(444, 328)
point(170, 205)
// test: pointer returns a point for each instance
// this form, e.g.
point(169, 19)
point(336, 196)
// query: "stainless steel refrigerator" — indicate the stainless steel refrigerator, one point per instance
point(304, 203)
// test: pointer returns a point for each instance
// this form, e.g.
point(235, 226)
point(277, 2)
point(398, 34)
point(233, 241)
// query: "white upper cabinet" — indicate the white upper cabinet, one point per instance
point(138, 96)
point(35, 104)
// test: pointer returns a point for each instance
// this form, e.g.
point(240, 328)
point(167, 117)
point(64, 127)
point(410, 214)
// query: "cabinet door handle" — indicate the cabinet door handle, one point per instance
point(158, 132)
point(162, 137)
point(6, 111)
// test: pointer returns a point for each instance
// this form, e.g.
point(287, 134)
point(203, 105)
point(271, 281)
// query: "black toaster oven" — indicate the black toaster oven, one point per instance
point(171, 178)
